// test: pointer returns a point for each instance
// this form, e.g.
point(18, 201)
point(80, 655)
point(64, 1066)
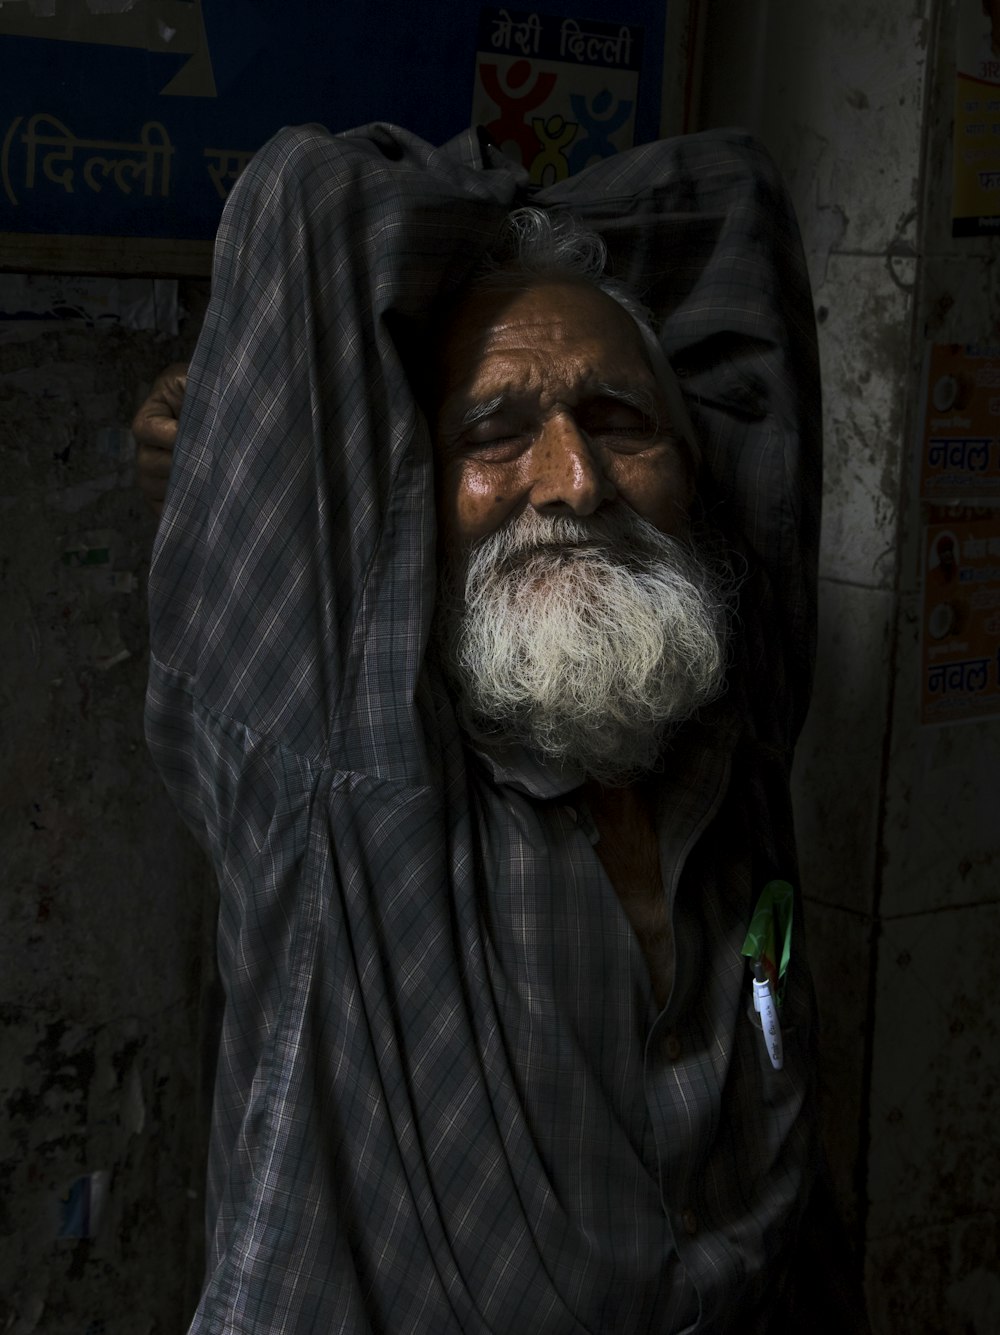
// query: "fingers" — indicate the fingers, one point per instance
point(155, 429)
point(155, 423)
point(153, 472)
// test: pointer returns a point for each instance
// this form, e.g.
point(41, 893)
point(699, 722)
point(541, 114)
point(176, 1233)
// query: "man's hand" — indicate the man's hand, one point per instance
point(155, 429)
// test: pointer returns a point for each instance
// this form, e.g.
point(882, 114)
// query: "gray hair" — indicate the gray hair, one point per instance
point(546, 243)
point(552, 244)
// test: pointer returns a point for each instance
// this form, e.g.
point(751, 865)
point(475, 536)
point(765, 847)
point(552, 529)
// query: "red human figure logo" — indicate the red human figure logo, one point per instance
point(512, 125)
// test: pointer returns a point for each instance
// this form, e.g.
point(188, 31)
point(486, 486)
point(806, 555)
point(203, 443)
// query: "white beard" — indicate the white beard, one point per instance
point(585, 640)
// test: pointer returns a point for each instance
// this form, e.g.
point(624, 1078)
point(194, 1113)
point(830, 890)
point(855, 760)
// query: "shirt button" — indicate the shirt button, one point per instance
point(690, 1221)
point(673, 1046)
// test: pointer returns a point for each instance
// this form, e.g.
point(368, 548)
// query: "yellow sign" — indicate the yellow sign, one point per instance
point(976, 197)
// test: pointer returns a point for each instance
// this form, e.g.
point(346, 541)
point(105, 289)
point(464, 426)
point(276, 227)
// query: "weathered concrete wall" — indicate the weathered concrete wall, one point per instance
point(934, 1164)
point(836, 93)
point(107, 902)
point(896, 822)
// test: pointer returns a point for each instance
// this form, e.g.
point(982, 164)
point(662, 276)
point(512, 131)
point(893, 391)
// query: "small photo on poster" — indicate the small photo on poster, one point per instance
point(555, 94)
point(959, 445)
point(960, 623)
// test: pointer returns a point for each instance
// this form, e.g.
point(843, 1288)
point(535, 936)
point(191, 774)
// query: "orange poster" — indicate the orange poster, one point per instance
point(960, 432)
point(960, 650)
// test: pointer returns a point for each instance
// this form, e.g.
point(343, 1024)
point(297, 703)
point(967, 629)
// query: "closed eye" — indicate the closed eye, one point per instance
point(496, 438)
point(614, 418)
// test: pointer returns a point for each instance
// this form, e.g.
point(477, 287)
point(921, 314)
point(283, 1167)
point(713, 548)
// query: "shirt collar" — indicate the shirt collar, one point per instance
point(512, 765)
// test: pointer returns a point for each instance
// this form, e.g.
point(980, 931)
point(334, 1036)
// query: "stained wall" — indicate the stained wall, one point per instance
point(896, 821)
point(105, 944)
point(933, 1234)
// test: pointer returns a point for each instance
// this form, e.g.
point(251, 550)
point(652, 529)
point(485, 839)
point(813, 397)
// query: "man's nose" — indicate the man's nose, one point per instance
point(566, 472)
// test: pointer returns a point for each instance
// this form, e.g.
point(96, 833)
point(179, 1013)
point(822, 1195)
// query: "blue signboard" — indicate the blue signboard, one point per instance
point(135, 123)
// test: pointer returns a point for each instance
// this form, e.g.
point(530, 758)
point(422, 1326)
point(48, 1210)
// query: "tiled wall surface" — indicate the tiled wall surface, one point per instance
point(898, 829)
point(934, 1168)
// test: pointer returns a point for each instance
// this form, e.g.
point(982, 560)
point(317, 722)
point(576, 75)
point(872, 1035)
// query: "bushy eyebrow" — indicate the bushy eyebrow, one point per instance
point(636, 397)
point(643, 400)
point(478, 411)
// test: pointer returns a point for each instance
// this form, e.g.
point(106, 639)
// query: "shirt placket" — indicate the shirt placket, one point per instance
point(682, 1085)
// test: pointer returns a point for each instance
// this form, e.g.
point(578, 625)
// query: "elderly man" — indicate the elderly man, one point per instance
point(442, 675)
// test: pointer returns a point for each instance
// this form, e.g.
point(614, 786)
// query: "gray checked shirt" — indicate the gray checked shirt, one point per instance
point(447, 1103)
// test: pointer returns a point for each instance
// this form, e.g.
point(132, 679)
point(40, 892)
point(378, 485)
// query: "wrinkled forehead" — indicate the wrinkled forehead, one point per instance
point(548, 312)
point(534, 314)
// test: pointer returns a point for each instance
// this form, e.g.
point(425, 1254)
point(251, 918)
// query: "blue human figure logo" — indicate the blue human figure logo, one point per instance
point(598, 121)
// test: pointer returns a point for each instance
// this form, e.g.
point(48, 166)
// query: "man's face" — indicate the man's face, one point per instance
point(547, 401)
point(573, 615)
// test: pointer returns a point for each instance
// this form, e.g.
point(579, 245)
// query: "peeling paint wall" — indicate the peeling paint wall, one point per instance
point(107, 903)
point(897, 822)
point(933, 1234)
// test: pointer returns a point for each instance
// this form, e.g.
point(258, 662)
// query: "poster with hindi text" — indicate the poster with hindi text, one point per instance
point(976, 185)
point(556, 93)
point(960, 640)
point(959, 445)
point(124, 126)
